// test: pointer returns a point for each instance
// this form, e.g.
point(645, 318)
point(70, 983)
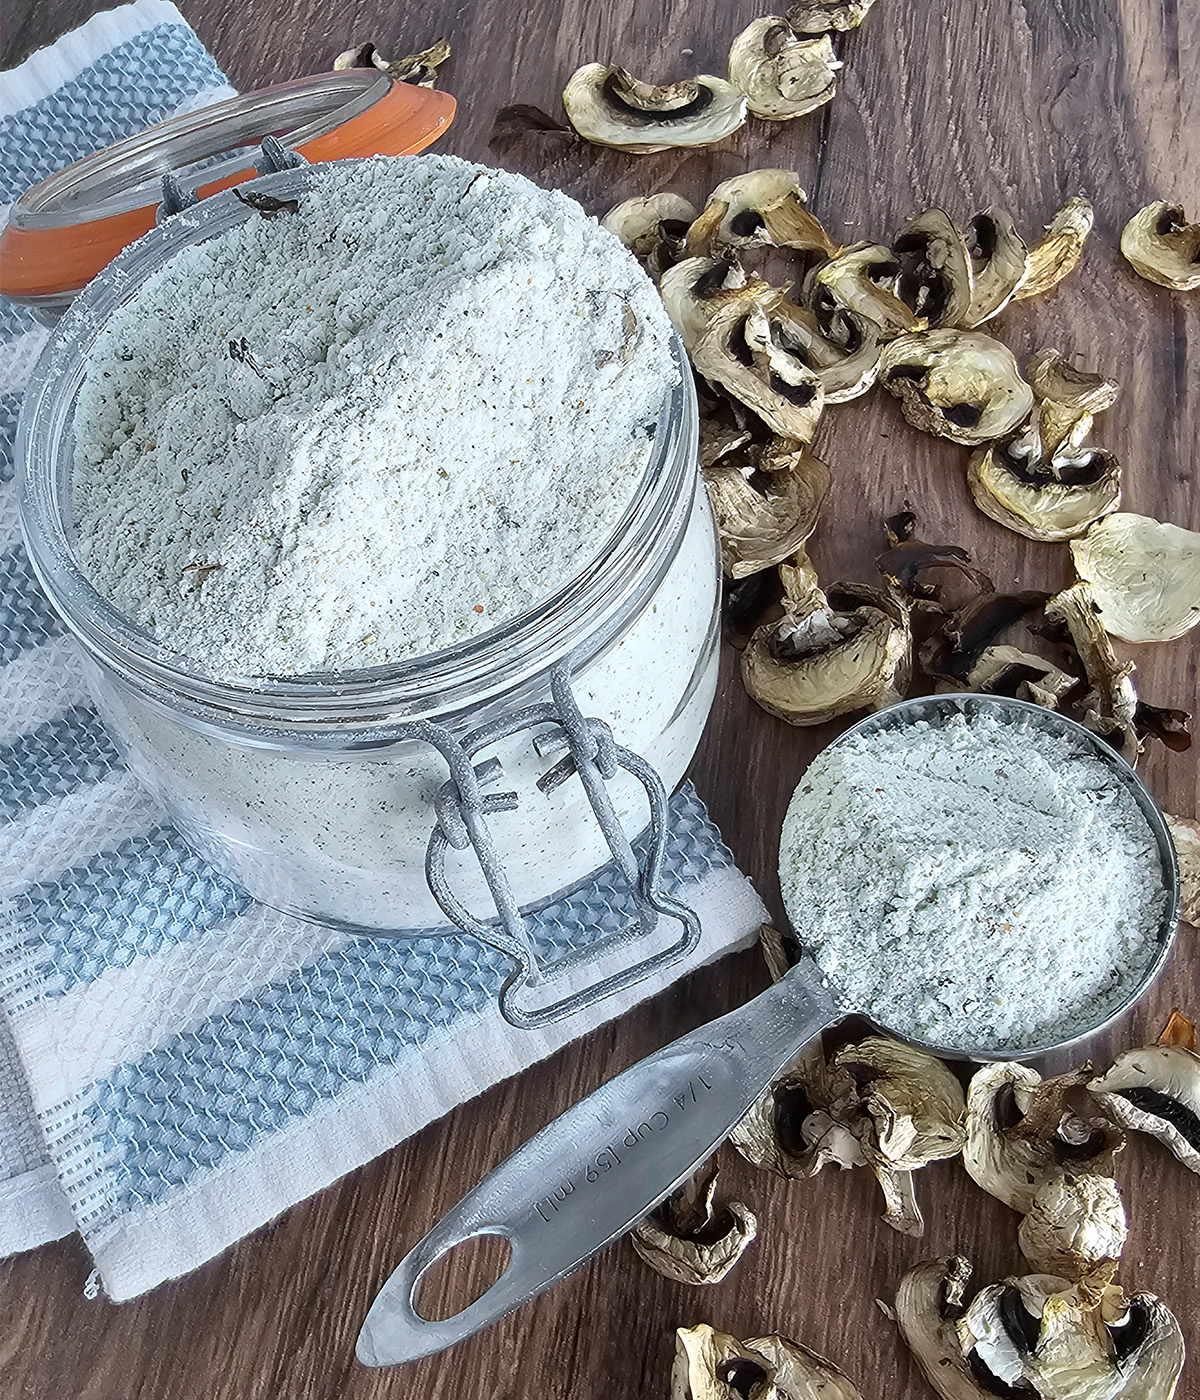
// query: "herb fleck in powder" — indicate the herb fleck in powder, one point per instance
point(370, 428)
point(972, 882)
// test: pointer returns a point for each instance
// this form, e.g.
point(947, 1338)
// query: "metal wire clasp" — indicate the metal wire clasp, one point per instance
point(462, 806)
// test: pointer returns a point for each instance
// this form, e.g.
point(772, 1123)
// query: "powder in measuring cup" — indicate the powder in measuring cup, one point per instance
point(374, 427)
point(972, 882)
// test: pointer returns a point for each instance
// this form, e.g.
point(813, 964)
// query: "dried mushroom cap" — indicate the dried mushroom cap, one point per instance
point(1144, 576)
point(1186, 836)
point(789, 1130)
point(782, 74)
point(1110, 708)
point(958, 384)
point(688, 1239)
point(1163, 247)
point(609, 107)
point(820, 16)
point(860, 279)
point(1075, 1228)
point(712, 1365)
point(653, 227)
point(846, 369)
point(764, 517)
point(830, 654)
point(739, 351)
point(935, 277)
point(1023, 1131)
point(1055, 254)
point(1156, 1090)
point(760, 206)
point(998, 257)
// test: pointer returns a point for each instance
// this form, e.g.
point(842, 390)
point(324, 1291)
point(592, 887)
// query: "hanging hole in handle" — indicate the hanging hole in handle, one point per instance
point(461, 1276)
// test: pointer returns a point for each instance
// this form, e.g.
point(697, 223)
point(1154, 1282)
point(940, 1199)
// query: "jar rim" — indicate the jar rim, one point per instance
point(578, 619)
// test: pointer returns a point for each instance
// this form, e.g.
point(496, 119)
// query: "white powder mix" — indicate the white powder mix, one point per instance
point(972, 882)
point(372, 428)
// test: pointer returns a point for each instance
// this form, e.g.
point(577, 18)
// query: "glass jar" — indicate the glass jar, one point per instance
point(309, 792)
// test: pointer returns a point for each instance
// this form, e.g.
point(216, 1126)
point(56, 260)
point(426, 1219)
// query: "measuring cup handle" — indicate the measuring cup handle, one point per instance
point(593, 1173)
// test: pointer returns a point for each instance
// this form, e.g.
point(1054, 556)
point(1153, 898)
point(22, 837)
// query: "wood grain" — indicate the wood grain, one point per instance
point(1015, 102)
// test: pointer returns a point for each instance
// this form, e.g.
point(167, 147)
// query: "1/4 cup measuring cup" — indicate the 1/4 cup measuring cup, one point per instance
point(590, 1175)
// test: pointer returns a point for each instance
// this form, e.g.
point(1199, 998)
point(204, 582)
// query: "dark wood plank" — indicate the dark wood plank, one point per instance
point(1012, 102)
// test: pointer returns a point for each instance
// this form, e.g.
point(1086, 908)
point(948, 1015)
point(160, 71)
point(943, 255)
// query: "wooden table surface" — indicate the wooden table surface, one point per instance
point(956, 104)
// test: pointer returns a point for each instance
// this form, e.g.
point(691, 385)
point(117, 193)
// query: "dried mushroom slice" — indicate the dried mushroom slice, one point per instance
point(998, 256)
point(1055, 254)
point(860, 279)
point(962, 385)
point(1041, 1336)
point(1042, 500)
point(1075, 1228)
point(1144, 576)
point(1160, 245)
point(1036, 1336)
point(846, 368)
point(696, 289)
point(789, 1130)
point(690, 1240)
point(1156, 1090)
point(1044, 482)
point(830, 653)
point(783, 74)
point(929, 1305)
point(1005, 670)
point(610, 107)
point(653, 227)
point(906, 558)
point(906, 1109)
point(419, 69)
point(1186, 835)
point(935, 277)
point(739, 352)
point(1023, 1131)
point(1110, 707)
point(764, 517)
point(761, 206)
point(1068, 399)
point(712, 1365)
point(955, 648)
point(821, 16)
point(801, 1374)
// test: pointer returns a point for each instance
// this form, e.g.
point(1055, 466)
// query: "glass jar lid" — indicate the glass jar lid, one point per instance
point(65, 229)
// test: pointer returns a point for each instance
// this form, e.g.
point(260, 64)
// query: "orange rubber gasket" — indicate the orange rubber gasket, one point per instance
point(52, 261)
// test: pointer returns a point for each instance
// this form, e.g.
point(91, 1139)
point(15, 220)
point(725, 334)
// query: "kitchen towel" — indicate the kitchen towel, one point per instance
point(178, 1064)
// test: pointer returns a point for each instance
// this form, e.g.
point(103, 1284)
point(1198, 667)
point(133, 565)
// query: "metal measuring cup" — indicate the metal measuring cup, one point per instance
point(592, 1174)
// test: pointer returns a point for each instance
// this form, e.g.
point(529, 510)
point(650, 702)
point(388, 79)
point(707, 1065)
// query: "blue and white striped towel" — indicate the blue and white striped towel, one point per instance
point(177, 1064)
